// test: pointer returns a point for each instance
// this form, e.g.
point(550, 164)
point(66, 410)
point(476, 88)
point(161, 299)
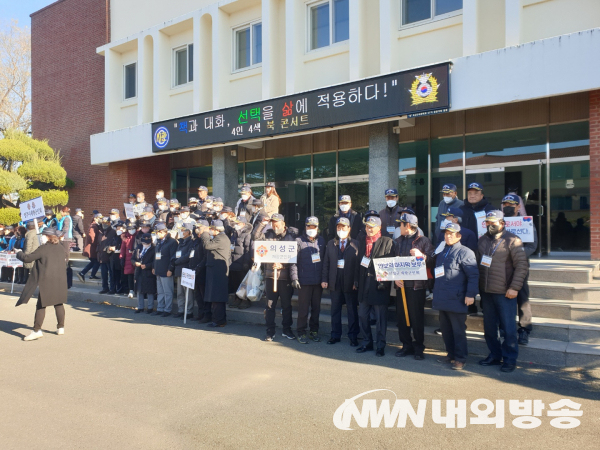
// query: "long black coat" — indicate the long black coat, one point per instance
point(185, 247)
point(241, 258)
point(198, 261)
point(356, 224)
point(218, 259)
point(144, 279)
point(367, 282)
point(48, 273)
point(329, 274)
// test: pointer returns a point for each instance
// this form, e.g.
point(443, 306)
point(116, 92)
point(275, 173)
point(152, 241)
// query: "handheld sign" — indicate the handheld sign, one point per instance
point(188, 278)
point(32, 209)
point(521, 226)
point(481, 225)
point(138, 209)
point(400, 268)
point(284, 252)
point(129, 211)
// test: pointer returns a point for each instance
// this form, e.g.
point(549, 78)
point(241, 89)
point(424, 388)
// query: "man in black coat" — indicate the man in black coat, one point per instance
point(241, 259)
point(278, 232)
point(373, 295)
point(218, 259)
point(339, 268)
point(78, 230)
point(182, 259)
point(164, 266)
point(198, 263)
point(345, 210)
point(114, 263)
point(108, 233)
point(145, 281)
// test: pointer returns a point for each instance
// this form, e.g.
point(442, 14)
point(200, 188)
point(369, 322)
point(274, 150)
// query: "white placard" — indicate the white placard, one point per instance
point(521, 226)
point(138, 209)
point(481, 225)
point(129, 213)
point(32, 209)
point(188, 278)
point(10, 260)
point(400, 268)
point(284, 252)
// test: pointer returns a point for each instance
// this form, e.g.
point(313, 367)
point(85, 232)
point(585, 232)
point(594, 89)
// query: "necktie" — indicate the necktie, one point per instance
point(343, 245)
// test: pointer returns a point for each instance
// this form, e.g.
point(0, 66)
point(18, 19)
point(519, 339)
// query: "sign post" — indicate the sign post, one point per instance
point(188, 279)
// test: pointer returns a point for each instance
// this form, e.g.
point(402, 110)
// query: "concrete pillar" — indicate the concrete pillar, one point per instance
point(113, 91)
point(513, 21)
point(225, 173)
point(383, 162)
point(470, 34)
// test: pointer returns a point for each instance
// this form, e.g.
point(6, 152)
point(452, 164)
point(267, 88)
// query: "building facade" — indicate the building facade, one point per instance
point(522, 103)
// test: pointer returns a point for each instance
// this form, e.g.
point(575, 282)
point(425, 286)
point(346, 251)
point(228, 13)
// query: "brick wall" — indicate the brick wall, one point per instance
point(595, 172)
point(68, 104)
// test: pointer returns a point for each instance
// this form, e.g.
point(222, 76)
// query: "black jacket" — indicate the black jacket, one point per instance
point(78, 229)
point(370, 291)
point(290, 234)
point(350, 256)
point(305, 270)
point(198, 260)
point(167, 250)
point(468, 220)
point(181, 262)
point(356, 224)
point(144, 280)
point(241, 257)
point(103, 244)
point(218, 258)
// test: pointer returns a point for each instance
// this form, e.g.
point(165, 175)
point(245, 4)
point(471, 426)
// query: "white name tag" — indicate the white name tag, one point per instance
point(232, 247)
point(158, 256)
point(391, 230)
point(486, 261)
point(117, 251)
point(439, 271)
point(242, 213)
point(341, 263)
point(440, 248)
point(178, 254)
point(192, 253)
point(365, 262)
point(315, 257)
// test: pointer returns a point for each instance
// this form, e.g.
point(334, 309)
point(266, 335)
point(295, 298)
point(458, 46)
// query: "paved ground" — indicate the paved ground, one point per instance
point(124, 381)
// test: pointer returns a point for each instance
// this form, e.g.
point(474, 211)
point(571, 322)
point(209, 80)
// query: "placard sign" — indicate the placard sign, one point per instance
point(188, 278)
point(284, 252)
point(32, 209)
point(129, 213)
point(400, 268)
point(521, 226)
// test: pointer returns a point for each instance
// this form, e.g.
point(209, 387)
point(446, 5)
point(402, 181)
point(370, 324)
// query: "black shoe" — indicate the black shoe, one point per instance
point(419, 357)
point(490, 361)
point(523, 337)
point(137, 311)
point(269, 338)
point(216, 325)
point(178, 316)
point(404, 352)
point(333, 341)
point(157, 313)
point(365, 348)
point(103, 291)
point(353, 343)
point(379, 352)
point(81, 277)
point(165, 314)
point(508, 367)
point(438, 332)
point(111, 292)
point(149, 311)
point(94, 277)
point(288, 334)
point(205, 320)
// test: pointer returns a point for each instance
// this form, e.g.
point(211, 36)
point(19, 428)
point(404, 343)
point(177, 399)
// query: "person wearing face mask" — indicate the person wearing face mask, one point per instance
point(306, 279)
point(78, 230)
point(218, 204)
point(345, 210)
point(114, 263)
point(456, 285)
point(241, 259)
point(65, 224)
point(50, 220)
point(148, 215)
point(145, 227)
point(475, 207)
point(245, 199)
point(162, 211)
point(145, 280)
point(503, 268)
point(127, 249)
point(207, 206)
point(253, 210)
point(226, 216)
point(202, 194)
point(373, 295)
point(339, 267)
point(270, 199)
point(514, 190)
point(184, 216)
point(467, 237)
point(182, 259)
point(90, 249)
point(218, 260)
point(159, 194)
point(449, 200)
point(140, 200)
point(410, 243)
point(31, 244)
point(114, 215)
point(193, 204)
point(278, 232)
point(390, 214)
point(164, 258)
point(173, 216)
point(198, 264)
point(103, 254)
point(510, 208)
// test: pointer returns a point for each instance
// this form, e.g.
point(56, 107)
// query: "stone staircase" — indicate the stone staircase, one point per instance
point(565, 300)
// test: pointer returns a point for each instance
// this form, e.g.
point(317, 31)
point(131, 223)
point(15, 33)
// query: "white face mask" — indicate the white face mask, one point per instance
point(43, 239)
point(448, 200)
point(222, 216)
point(184, 215)
point(162, 207)
point(344, 208)
point(158, 196)
point(113, 218)
point(119, 232)
point(391, 203)
point(245, 197)
point(342, 234)
point(311, 233)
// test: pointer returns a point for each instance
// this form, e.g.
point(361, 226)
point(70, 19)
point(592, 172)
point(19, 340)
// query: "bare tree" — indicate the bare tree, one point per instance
point(15, 77)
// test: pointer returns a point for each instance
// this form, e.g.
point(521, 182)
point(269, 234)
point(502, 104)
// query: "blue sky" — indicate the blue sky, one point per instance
point(20, 9)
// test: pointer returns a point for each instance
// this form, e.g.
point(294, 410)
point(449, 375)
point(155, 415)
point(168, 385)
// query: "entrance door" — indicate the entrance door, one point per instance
point(295, 203)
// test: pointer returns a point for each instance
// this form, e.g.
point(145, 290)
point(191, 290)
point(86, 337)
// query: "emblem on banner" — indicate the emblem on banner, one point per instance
point(424, 89)
point(262, 251)
point(161, 137)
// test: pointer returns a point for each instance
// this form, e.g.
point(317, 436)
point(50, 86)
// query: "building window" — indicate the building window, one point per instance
point(184, 64)
point(130, 80)
point(248, 46)
point(419, 10)
point(327, 28)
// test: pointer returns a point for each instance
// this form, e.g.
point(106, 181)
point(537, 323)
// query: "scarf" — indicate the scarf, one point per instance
point(370, 241)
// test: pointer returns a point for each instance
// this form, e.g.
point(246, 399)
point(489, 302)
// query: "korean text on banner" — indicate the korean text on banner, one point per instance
point(32, 209)
point(188, 278)
point(521, 226)
point(284, 252)
point(129, 211)
point(10, 260)
point(400, 268)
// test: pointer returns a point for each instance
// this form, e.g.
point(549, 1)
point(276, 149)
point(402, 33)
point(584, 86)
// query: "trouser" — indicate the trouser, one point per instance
point(6, 274)
point(93, 265)
point(79, 239)
point(21, 275)
point(235, 279)
point(364, 316)
point(115, 275)
point(284, 292)
point(309, 297)
point(104, 269)
point(204, 308)
point(219, 312)
point(141, 300)
point(164, 286)
point(415, 302)
point(454, 333)
point(128, 281)
point(338, 298)
point(181, 299)
point(524, 307)
point(499, 310)
point(40, 314)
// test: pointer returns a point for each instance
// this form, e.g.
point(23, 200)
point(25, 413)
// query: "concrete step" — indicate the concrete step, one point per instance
point(562, 272)
point(583, 292)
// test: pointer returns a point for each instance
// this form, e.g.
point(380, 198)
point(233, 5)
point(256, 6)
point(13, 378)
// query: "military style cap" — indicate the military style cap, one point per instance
point(373, 221)
point(202, 222)
point(391, 192)
point(146, 238)
point(217, 224)
point(162, 200)
point(227, 209)
point(97, 216)
point(185, 209)
point(448, 188)
point(145, 223)
point(202, 188)
point(193, 200)
point(218, 200)
point(50, 231)
point(452, 227)
point(494, 216)
point(160, 226)
point(245, 189)
point(343, 221)
point(408, 218)
point(475, 186)
point(345, 198)
point(511, 198)
point(454, 212)
point(174, 201)
point(148, 209)
point(277, 218)
point(312, 220)
point(370, 213)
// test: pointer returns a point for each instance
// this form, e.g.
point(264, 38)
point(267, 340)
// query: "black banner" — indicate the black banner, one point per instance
point(409, 93)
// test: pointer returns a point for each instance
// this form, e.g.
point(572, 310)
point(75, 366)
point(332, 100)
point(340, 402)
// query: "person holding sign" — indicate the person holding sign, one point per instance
point(373, 295)
point(182, 259)
point(511, 208)
point(411, 244)
point(475, 207)
point(277, 277)
point(503, 267)
point(449, 200)
point(456, 278)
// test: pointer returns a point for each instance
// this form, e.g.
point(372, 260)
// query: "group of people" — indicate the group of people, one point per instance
point(145, 256)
